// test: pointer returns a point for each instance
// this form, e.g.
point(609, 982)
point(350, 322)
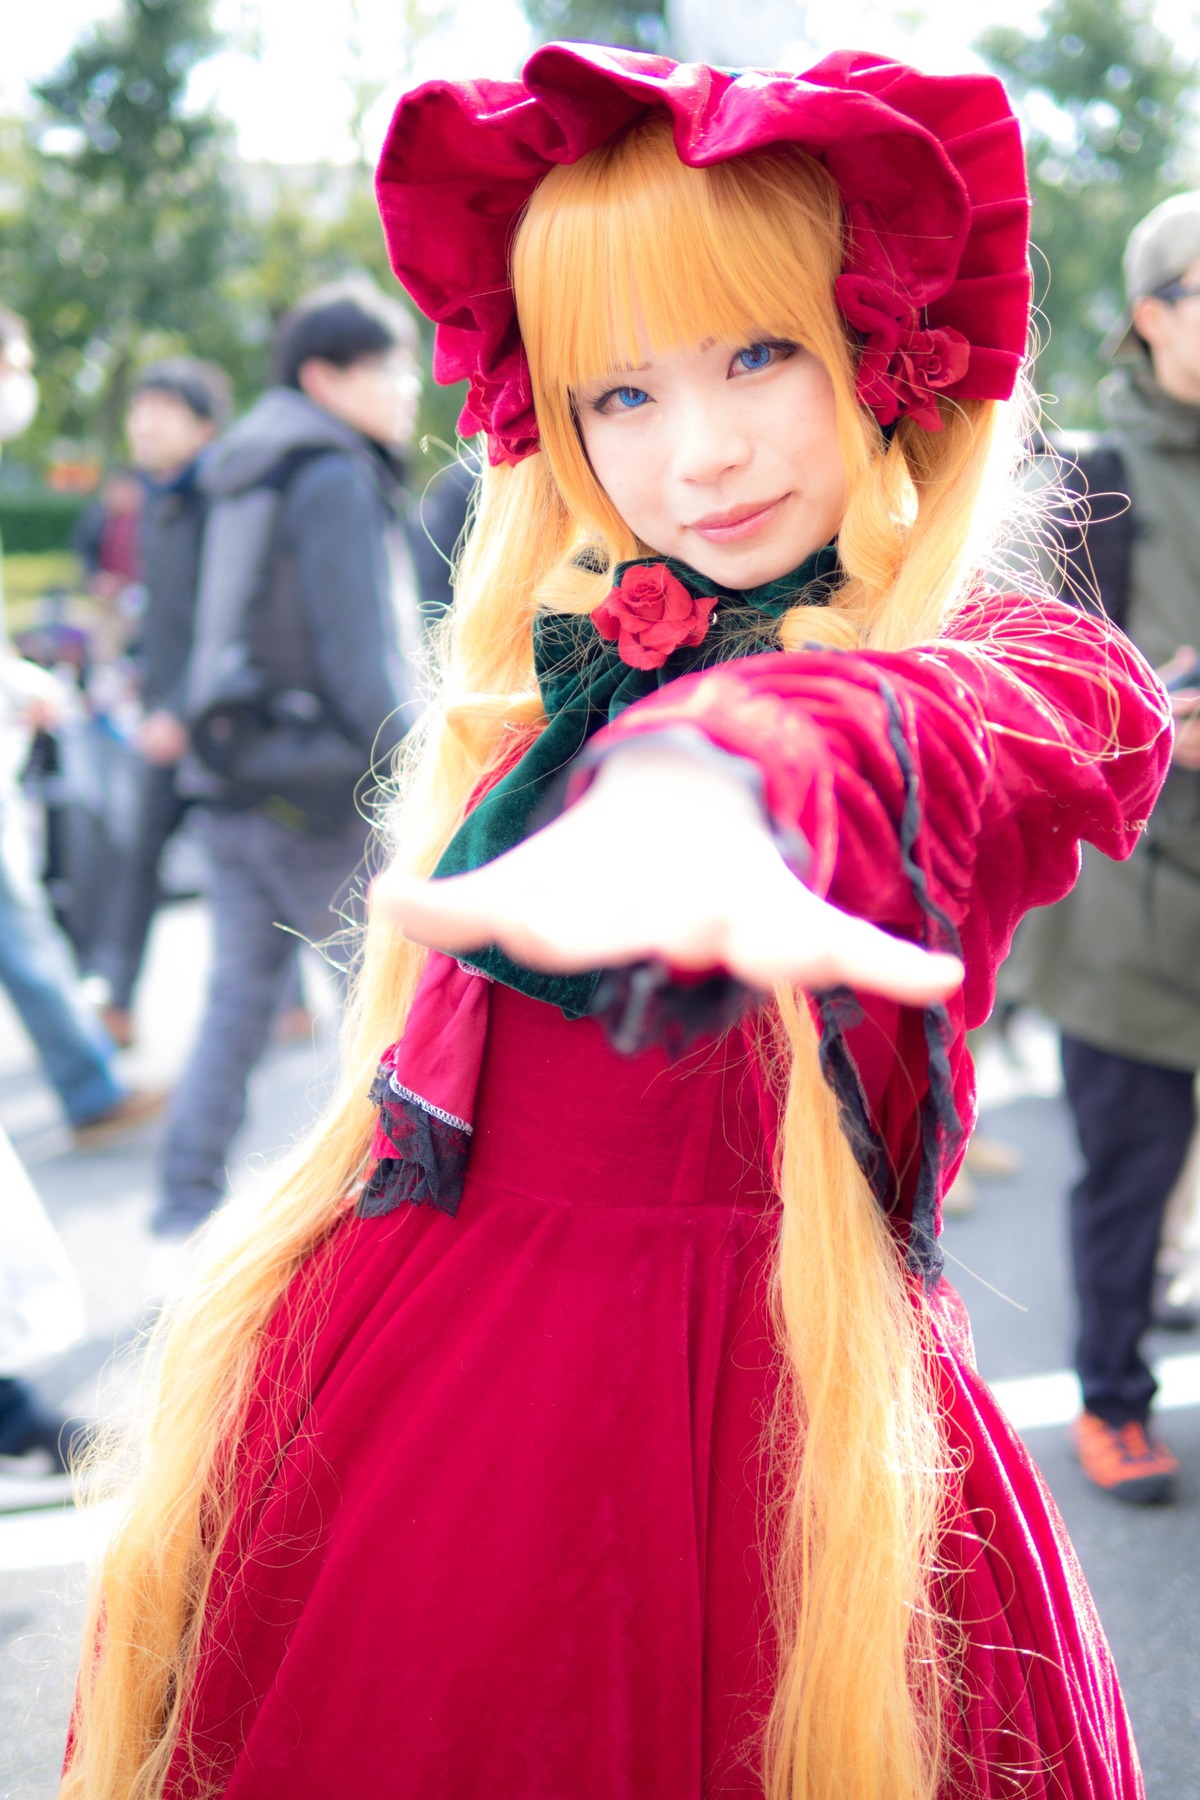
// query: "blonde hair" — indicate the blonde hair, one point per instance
point(865, 1665)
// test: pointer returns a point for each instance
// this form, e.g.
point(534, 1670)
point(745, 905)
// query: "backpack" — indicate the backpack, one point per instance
point(1095, 533)
point(275, 748)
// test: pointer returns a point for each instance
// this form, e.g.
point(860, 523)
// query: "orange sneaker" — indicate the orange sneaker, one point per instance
point(1125, 1460)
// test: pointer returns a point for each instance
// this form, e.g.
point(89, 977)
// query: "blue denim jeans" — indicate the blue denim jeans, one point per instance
point(38, 973)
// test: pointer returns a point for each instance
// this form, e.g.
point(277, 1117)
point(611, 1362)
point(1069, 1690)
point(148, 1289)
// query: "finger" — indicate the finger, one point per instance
point(827, 947)
point(536, 927)
point(438, 913)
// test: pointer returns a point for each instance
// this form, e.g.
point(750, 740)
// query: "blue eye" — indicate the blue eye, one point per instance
point(755, 356)
point(620, 399)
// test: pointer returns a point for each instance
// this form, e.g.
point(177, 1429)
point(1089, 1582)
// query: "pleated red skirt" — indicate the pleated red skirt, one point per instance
point(511, 1546)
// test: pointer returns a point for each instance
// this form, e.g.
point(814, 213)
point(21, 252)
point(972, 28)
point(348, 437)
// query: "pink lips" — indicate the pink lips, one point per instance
point(738, 522)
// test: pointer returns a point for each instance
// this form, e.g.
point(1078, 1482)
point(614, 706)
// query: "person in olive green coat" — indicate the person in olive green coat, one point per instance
point(1117, 963)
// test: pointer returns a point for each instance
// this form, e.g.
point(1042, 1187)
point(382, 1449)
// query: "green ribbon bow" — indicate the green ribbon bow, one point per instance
point(585, 686)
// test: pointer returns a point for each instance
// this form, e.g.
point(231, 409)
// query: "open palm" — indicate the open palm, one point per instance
point(662, 857)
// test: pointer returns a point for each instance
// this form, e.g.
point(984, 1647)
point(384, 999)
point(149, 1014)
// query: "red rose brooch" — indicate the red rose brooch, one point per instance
point(650, 613)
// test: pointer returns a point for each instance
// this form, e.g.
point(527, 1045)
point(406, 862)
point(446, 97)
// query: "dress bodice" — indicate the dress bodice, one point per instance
point(561, 1114)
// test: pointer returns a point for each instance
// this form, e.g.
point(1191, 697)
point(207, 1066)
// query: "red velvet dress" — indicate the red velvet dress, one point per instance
point(512, 1544)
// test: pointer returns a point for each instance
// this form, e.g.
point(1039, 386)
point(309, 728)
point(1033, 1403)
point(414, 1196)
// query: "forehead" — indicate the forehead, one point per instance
point(384, 362)
point(164, 400)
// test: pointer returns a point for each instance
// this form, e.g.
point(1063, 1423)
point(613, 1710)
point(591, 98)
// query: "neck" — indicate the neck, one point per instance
point(808, 585)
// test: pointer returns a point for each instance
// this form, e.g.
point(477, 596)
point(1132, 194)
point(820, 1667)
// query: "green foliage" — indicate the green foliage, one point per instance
point(128, 230)
point(36, 523)
point(311, 226)
point(125, 216)
point(1108, 114)
point(637, 27)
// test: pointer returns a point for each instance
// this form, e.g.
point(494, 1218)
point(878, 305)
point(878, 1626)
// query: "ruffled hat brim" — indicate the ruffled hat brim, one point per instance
point(930, 170)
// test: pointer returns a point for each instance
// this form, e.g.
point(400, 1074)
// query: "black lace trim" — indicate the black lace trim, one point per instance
point(840, 1012)
point(641, 1005)
point(433, 1167)
point(941, 1127)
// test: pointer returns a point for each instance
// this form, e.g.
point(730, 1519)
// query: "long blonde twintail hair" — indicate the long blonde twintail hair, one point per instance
point(865, 1667)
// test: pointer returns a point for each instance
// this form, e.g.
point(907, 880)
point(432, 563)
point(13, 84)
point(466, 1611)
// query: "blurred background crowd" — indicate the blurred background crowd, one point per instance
point(229, 496)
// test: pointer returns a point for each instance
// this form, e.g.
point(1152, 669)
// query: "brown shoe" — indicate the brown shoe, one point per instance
point(990, 1156)
point(1127, 1461)
point(118, 1022)
point(137, 1108)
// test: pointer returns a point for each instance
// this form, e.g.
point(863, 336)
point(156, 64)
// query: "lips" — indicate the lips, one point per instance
point(737, 521)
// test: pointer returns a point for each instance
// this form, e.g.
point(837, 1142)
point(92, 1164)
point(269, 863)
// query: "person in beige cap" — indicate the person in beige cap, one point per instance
point(1117, 963)
point(1162, 265)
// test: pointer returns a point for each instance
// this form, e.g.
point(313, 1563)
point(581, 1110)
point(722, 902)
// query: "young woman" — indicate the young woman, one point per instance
point(586, 1417)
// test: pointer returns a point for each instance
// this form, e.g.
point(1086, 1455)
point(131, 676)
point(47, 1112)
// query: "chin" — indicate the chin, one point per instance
point(749, 565)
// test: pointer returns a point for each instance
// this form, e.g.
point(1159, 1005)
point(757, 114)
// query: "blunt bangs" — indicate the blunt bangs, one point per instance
point(629, 252)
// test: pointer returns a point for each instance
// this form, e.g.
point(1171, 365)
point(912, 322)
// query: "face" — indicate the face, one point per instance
point(164, 433)
point(1171, 328)
point(377, 395)
point(725, 456)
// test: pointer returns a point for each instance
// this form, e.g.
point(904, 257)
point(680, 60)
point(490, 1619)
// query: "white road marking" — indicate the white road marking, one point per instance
point(1053, 1399)
point(61, 1535)
point(55, 1535)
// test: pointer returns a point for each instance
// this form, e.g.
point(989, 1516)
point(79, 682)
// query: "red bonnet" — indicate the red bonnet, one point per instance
point(930, 170)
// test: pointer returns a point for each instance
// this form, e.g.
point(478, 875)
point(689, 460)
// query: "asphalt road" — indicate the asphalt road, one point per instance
point(1007, 1259)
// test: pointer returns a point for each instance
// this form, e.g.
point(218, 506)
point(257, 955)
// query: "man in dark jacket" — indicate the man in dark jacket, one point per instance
point(302, 679)
point(177, 408)
point(1117, 964)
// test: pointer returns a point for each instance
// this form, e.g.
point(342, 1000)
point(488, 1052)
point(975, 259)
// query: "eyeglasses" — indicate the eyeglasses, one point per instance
point(1175, 290)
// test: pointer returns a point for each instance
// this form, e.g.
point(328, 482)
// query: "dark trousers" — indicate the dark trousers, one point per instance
point(1134, 1122)
point(138, 895)
point(266, 883)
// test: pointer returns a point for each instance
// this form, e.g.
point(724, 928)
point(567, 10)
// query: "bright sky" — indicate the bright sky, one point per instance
point(287, 86)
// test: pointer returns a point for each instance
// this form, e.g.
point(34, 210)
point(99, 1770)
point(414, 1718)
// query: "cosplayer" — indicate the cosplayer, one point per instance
point(586, 1417)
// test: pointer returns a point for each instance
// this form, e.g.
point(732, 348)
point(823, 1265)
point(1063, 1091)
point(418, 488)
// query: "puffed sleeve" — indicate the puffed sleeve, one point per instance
point(942, 791)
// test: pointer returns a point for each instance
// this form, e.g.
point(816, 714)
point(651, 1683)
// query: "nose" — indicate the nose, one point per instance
point(710, 445)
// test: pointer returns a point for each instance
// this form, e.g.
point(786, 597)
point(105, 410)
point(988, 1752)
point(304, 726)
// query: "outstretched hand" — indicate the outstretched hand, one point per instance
point(663, 857)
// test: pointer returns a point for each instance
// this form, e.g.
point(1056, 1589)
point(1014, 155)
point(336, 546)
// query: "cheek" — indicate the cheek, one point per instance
point(378, 401)
point(812, 437)
point(624, 463)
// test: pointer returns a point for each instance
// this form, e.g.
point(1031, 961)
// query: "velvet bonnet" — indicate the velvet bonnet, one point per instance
point(935, 281)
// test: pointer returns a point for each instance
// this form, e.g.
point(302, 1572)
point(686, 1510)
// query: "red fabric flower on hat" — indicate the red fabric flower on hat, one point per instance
point(502, 405)
point(902, 365)
point(650, 613)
